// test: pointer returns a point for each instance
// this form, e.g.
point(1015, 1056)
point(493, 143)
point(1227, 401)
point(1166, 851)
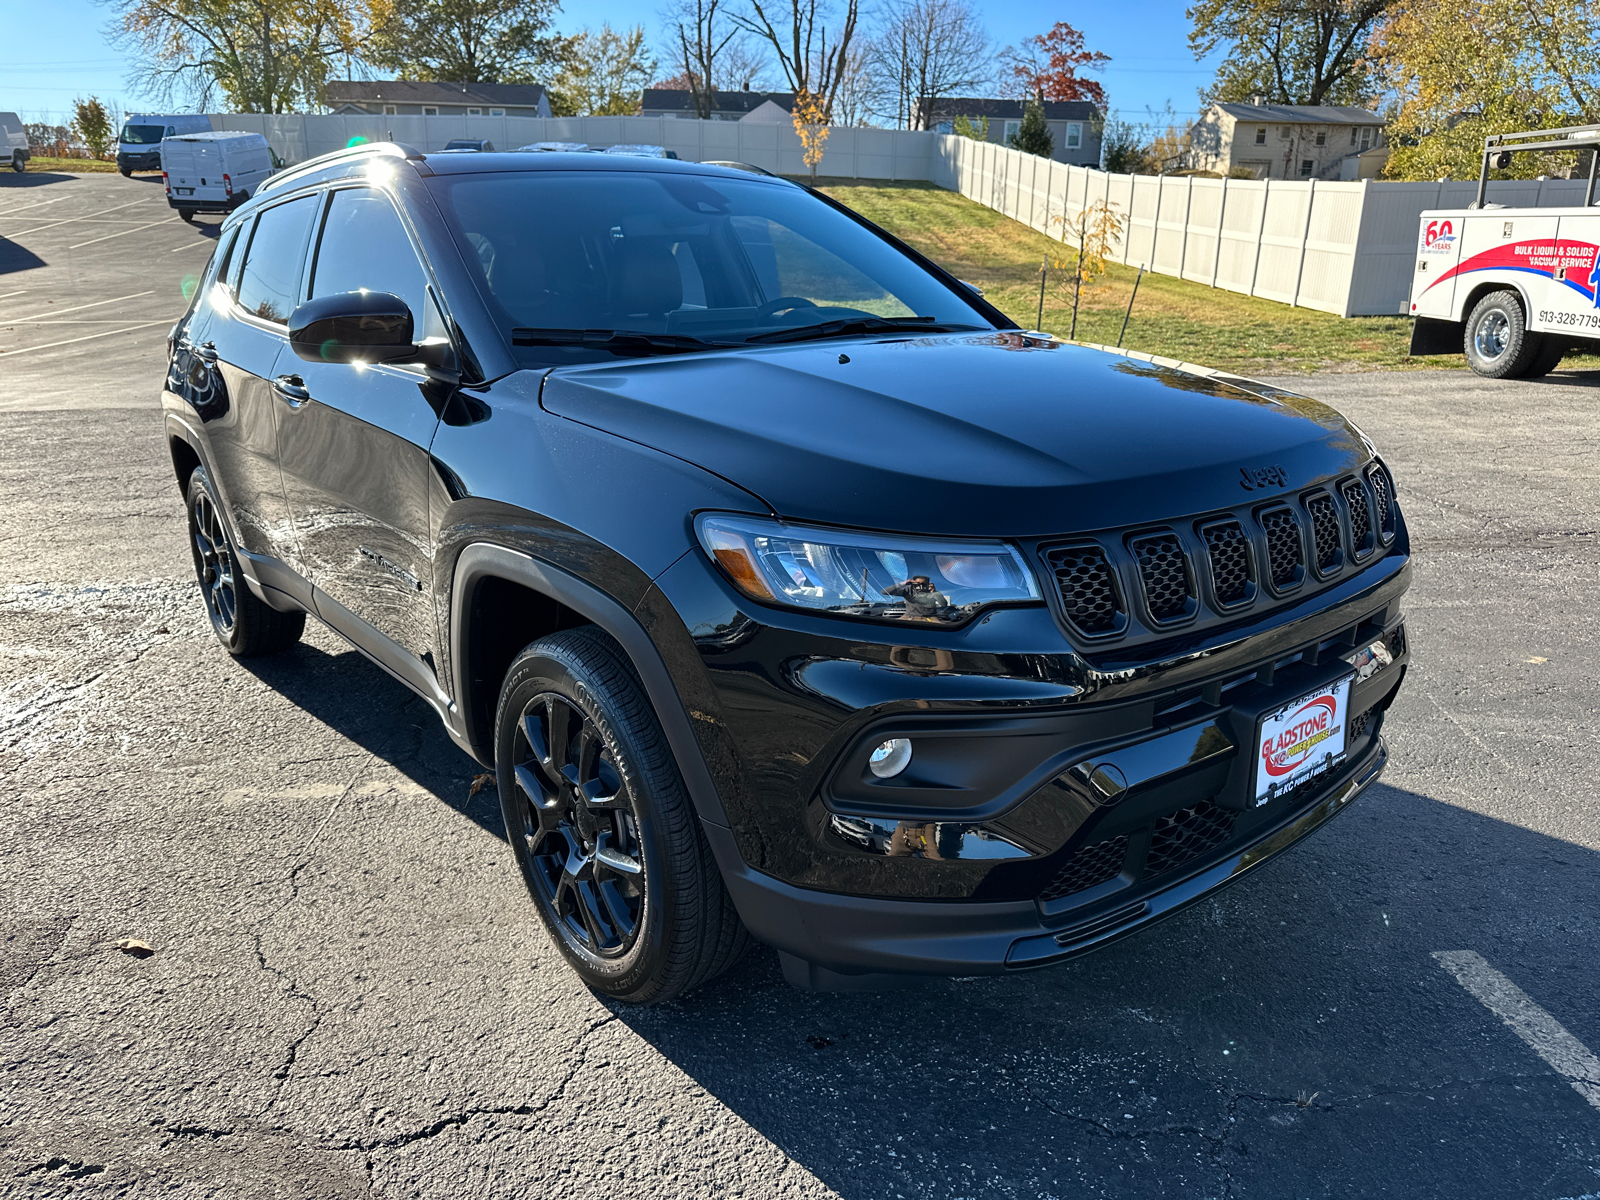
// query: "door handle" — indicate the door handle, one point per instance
point(291, 389)
point(206, 351)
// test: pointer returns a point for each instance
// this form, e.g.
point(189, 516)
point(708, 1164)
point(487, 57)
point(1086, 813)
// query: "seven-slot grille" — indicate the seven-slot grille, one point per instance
point(1274, 539)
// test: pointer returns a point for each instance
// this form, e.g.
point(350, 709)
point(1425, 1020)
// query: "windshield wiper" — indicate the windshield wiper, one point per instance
point(618, 341)
point(850, 326)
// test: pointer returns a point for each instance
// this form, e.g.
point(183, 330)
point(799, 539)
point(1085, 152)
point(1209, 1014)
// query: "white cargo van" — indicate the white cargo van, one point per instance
point(14, 142)
point(139, 143)
point(213, 172)
point(1512, 288)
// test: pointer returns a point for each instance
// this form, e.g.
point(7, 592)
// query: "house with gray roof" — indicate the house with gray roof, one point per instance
point(1074, 125)
point(1287, 141)
point(725, 106)
point(413, 98)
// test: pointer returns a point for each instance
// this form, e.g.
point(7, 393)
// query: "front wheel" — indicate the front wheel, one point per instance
point(1498, 342)
point(125, 172)
point(18, 163)
point(244, 625)
point(601, 827)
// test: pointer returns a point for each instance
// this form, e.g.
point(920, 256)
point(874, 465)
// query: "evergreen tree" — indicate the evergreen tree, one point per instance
point(1033, 137)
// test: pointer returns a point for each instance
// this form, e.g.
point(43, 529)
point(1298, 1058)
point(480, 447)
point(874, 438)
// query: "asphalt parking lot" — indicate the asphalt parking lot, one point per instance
point(350, 995)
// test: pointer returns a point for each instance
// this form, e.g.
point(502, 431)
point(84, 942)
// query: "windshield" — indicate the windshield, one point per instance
point(142, 135)
point(681, 257)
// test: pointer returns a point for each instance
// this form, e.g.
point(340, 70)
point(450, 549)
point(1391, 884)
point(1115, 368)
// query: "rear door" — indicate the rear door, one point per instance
point(354, 447)
point(245, 348)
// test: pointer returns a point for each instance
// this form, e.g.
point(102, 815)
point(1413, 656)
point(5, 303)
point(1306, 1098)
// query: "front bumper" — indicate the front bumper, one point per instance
point(834, 942)
point(149, 161)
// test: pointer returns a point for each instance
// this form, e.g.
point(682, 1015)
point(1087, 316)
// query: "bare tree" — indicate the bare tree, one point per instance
point(814, 58)
point(927, 49)
point(862, 93)
point(743, 65)
point(700, 42)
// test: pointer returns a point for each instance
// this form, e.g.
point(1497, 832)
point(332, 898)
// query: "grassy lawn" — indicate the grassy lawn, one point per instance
point(1171, 317)
point(40, 163)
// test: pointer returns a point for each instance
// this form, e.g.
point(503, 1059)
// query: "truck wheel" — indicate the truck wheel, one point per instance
point(243, 624)
point(187, 214)
point(1498, 342)
point(18, 163)
point(125, 172)
point(601, 827)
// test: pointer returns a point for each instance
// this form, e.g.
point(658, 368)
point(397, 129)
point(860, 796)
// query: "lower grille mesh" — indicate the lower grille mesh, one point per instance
point(1187, 834)
point(1092, 864)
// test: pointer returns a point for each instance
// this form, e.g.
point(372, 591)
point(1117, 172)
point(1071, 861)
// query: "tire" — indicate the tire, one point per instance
point(246, 627)
point(18, 163)
point(1497, 340)
point(601, 827)
point(125, 172)
point(1551, 352)
point(187, 214)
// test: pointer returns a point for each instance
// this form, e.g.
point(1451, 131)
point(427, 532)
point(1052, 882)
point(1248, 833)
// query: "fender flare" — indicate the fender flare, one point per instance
point(482, 560)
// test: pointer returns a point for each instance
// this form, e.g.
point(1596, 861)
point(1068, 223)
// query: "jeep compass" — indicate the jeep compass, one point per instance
point(789, 589)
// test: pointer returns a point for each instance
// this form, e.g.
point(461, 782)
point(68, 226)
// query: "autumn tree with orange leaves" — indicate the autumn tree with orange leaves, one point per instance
point(1047, 66)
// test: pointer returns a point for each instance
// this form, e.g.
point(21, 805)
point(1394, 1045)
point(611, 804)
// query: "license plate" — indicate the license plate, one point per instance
point(184, 191)
point(1302, 739)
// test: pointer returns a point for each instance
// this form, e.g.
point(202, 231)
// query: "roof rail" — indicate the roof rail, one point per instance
point(365, 150)
point(1499, 147)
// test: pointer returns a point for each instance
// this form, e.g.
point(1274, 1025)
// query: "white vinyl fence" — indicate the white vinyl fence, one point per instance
point(1342, 248)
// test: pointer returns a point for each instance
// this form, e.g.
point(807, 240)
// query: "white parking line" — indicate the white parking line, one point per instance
point(1546, 1036)
point(87, 338)
point(40, 204)
point(192, 245)
point(18, 292)
point(70, 220)
point(121, 232)
point(56, 312)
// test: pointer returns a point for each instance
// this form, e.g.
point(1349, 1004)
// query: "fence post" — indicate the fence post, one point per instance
point(1222, 216)
point(1127, 241)
point(1261, 228)
point(1305, 237)
point(1155, 219)
point(1183, 242)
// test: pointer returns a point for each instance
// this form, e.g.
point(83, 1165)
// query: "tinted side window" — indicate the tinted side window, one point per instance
point(364, 245)
point(270, 281)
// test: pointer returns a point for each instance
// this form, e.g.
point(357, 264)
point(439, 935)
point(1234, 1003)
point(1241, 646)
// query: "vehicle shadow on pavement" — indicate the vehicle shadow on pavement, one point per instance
point(33, 179)
point(349, 694)
point(1289, 1036)
point(15, 258)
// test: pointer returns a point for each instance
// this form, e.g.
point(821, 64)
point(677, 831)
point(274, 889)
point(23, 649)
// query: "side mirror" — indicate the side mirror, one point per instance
point(352, 327)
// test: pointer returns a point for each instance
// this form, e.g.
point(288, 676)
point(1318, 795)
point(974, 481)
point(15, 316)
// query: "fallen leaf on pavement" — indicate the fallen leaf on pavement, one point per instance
point(479, 782)
point(135, 947)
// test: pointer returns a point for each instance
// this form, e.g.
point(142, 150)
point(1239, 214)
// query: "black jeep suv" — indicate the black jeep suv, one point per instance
point(789, 589)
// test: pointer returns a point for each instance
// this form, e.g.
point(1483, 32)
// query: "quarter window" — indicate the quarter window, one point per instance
point(269, 285)
point(364, 245)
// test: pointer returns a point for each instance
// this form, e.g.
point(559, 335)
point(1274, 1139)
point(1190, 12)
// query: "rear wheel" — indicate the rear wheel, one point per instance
point(187, 214)
point(1498, 343)
point(1549, 357)
point(244, 625)
point(601, 827)
point(18, 163)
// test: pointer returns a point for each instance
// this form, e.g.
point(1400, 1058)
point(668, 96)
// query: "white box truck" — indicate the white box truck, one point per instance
point(14, 142)
point(139, 143)
point(213, 172)
point(1512, 288)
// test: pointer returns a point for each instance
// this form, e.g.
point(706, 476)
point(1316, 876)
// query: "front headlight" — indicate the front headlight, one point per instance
point(849, 574)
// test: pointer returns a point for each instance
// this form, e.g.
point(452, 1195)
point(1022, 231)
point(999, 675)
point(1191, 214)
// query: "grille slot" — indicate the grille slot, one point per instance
point(1283, 546)
point(1229, 552)
point(1383, 492)
point(1091, 865)
point(1164, 569)
point(1325, 530)
point(1185, 835)
point(1088, 588)
point(1355, 496)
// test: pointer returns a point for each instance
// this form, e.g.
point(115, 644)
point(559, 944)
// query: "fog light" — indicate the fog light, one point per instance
point(890, 758)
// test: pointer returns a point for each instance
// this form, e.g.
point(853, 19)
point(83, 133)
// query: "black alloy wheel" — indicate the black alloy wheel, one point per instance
point(244, 625)
point(580, 837)
point(601, 827)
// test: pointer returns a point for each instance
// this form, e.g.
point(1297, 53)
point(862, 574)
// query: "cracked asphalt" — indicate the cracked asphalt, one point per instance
point(349, 995)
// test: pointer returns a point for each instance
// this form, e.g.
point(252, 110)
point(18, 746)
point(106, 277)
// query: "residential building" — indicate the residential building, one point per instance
point(725, 106)
point(410, 98)
point(1074, 125)
point(1287, 141)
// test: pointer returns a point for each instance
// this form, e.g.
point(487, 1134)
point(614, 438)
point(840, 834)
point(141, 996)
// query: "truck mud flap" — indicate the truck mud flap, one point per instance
point(1429, 335)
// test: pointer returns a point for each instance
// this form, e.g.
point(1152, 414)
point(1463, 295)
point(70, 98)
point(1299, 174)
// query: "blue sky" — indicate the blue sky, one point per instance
point(67, 53)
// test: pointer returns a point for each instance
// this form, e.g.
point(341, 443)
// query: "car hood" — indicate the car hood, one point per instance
point(968, 434)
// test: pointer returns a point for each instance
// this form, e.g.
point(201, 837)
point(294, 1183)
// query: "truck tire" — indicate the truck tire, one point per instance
point(1549, 357)
point(18, 163)
point(1497, 341)
point(125, 172)
point(187, 214)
